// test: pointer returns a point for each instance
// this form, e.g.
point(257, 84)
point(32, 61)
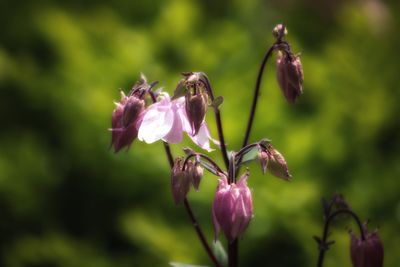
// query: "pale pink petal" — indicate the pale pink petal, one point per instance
point(156, 123)
point(202, 138)
point(175, 134)
point(185, 121)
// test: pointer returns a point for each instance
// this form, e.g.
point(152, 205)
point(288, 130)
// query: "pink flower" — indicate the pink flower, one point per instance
point(167, 120)
point(232, 208)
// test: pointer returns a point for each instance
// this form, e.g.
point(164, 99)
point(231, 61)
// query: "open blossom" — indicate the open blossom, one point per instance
point(125, 121)
point(167, 120)
point(232, 208)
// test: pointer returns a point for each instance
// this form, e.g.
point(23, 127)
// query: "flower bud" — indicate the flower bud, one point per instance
point(196, 173)
point(232, 208)
point(290, 76)
point(124, 121)
point(180, 182)
point(368, 252)
point(196, 108)
point(277, 164)
point(279, 31)
point(263, 158)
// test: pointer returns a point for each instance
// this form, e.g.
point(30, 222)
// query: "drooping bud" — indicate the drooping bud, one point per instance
point(125, 119)
point(277, 164)
point(290, 75)
point(368, 252)
point(232, 208)
point(180, 181)
point(263, 158)
point(279, 31)
point(196, 108)
point(196, 98)
point(196, 173)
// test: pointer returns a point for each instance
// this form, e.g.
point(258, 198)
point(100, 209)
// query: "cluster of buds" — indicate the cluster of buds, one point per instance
point(232, 208)
point(289, 68)
point(270, 159)
point(182, 176)
point(127, 116)
point(367, 252)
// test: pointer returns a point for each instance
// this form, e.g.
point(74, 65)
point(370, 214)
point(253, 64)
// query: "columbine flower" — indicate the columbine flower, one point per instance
point(232, 208)
point(290, 75)
point(125, 121)
point(167, 120)
point(368, 252)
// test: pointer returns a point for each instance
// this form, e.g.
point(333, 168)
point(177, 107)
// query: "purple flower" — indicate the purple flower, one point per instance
point(368, 252)
point(232, 208)
point(167, 120)
point(125, 121)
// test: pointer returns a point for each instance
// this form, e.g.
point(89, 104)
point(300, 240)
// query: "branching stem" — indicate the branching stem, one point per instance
point(323, 247)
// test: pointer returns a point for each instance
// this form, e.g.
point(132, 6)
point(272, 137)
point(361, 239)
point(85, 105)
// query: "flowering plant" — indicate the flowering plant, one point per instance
point(167, 118)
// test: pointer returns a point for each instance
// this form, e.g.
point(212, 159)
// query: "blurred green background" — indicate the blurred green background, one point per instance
point(66, 200)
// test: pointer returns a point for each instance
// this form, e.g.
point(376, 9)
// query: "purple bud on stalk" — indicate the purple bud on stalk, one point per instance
point(196, 108)
point(290, 75)
point(277, 164)
point(279, 31)
point(232, 208)
point(124, 122)
point(180, 181)
point(263, 158)
point(368, 252)
point(196, 99)
point(196, 173)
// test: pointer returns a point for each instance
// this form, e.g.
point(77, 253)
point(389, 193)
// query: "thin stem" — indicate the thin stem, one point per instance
point(233, 246)
point(219, 125)
point(247, 148)
point(257, 92)
point(232, 169)
point(200, 233)
point(169, 154)
point(233, 249)
point(186, 203)
point(210, 160)
point(323, 246)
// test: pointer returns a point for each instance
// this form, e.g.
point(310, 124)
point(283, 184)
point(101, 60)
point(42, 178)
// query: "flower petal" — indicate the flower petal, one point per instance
point(175, 134)
point(157, 123)
point(202, 138)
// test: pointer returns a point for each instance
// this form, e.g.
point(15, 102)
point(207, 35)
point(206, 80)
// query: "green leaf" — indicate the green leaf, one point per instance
point(180, 90)
point(252, 154)
point(217, 102)
point(188, 150)
point(220, 253)
point(209, 167)
point(178, 264)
